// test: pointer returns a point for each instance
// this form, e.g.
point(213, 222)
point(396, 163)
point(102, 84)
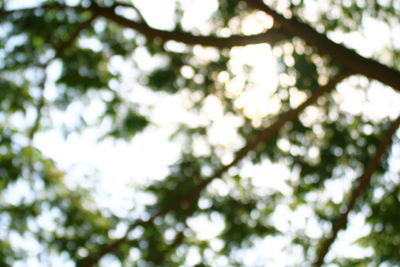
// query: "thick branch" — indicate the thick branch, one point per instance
point(339, 53)
point(191, 197)
point(342, 55)
point(358, 191)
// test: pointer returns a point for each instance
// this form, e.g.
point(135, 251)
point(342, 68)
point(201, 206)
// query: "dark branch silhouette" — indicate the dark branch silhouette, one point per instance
point(339, 53)
point(358, 191)
point(191, 197)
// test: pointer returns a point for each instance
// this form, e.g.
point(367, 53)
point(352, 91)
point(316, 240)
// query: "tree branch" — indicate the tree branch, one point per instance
point(358, 191)
point(191, 197)
point(339, 53)
point(271, 36)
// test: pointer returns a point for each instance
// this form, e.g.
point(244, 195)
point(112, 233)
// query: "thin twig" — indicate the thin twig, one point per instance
point(129, 5)
point(363, 182)
point(39, 106)
point(191, 197)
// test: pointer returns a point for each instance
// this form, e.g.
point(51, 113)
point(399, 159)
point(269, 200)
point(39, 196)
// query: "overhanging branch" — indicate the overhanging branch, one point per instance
point(358, 191)
point(290, 27)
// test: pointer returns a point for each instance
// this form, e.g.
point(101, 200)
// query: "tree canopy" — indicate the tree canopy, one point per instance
point(285, 156)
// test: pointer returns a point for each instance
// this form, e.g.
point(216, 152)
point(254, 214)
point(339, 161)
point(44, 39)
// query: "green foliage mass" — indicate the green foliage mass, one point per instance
point(56, 56)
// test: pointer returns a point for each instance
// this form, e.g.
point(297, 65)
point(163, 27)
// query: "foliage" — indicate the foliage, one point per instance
point(58, 57)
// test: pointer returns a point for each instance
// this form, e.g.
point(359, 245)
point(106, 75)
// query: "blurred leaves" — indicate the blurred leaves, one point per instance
point(131, 124)
point(385, 230)
point(37, 201)
point(13, 97)
point(164, 79)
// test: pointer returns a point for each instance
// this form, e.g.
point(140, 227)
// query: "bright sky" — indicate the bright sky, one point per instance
point(123, 165)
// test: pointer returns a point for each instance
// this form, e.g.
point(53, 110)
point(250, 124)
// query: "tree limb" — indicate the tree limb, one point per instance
point(358, 191)
point(339, 53)
point(191, 197)
point(291, 27)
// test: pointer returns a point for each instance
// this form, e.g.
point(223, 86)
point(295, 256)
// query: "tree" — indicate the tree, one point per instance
point(59, 53)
